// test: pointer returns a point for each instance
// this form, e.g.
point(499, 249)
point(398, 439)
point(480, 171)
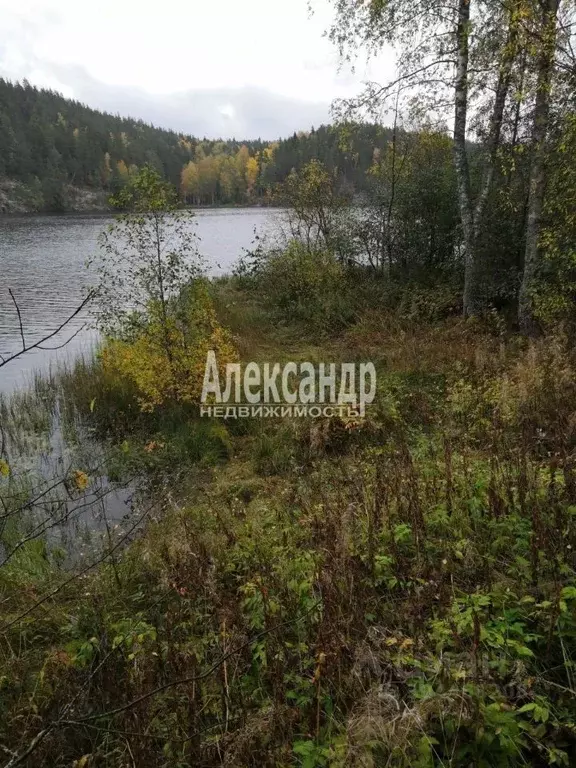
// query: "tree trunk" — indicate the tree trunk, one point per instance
point(470, 215)
point(461, 157)
point(537, 190)
point(509, 54)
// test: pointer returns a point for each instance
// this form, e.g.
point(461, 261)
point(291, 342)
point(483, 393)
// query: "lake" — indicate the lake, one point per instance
point(42, 259)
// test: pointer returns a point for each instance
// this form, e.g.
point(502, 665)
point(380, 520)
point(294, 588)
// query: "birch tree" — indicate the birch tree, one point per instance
point(449, 56)
point(545, 72)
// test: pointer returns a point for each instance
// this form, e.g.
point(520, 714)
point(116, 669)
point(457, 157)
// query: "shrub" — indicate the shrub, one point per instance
point(305, 286)
point(166, 360)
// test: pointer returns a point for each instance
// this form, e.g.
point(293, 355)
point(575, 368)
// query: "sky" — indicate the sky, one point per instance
point(256, 68)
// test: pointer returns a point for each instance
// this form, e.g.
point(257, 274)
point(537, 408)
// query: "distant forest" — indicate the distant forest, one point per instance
point(49, 144)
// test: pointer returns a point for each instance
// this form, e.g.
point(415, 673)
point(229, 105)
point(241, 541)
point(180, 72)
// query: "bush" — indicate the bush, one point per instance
point(309, 287)
point(166, 360)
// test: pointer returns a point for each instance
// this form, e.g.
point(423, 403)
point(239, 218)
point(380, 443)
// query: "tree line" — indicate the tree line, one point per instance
point(48, 142)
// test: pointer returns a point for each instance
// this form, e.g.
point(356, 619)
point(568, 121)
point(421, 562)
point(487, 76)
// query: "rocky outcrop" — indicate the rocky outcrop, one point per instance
point(17, 197)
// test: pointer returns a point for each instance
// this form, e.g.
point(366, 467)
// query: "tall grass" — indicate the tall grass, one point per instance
point(393, 591)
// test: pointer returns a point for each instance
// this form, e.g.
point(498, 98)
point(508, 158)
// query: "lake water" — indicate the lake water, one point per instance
point(42, 259)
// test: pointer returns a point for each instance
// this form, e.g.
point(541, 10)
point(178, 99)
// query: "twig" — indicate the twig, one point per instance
point(19, 318)
point(38, 344)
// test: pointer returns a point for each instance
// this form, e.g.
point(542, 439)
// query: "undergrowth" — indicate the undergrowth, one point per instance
point(393, 591)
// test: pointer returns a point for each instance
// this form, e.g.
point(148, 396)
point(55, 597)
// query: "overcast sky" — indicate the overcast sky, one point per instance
point(221, 68)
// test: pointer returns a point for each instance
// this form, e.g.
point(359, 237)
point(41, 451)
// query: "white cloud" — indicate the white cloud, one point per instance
point(178, 48)
point(227, 110)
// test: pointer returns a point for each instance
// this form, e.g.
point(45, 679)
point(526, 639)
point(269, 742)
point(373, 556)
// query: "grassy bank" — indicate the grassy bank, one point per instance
point(397, 590)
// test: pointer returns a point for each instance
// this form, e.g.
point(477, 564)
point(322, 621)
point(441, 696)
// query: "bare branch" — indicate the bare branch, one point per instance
point(39, 344)
point(19, 318)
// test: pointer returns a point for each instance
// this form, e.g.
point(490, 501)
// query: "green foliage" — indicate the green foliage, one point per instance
point(154, 309)
point(556, 288)
point(48, 143)
point(145, 193)
point(416, 589)
point(165, 360)
point(146, 257)
point(408, 219)
point(276, 450)
point(307, 287)
point(314, 202)
point(397, 590)
point(394, 590)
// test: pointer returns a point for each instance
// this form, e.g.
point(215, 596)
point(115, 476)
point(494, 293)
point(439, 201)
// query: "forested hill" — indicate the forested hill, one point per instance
point(57, 154)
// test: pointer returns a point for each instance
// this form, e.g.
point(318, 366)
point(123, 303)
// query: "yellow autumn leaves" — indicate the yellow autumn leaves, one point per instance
point(233, 175)
point(80, 479)
point(160, 351)
point(166, 361)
